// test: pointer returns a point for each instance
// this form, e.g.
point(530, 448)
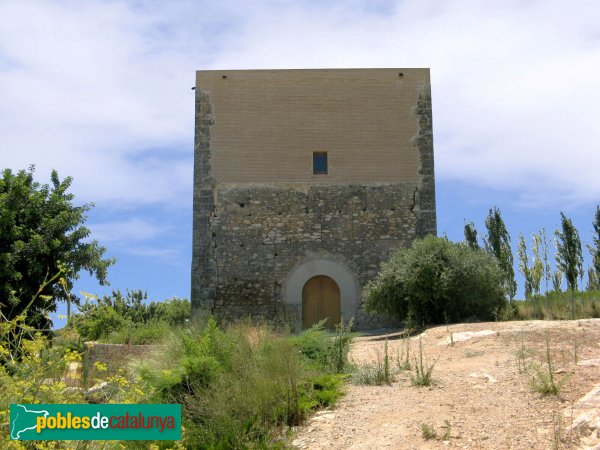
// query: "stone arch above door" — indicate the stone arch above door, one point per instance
point(314, 266)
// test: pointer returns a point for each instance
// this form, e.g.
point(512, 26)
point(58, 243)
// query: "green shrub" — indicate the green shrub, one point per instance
point(238, 384)
point(328, 351)
point(119, 318)
point(437, 281)
point(138, 333)
point(98, 322)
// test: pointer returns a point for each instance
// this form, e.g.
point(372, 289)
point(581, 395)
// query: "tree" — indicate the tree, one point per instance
point(497, 244)
point(471, 236)
point(42, 239)
point(569, 258)
point(557, 280)
point(547, 269)
point(524, 268)
point(594, 279)
point(537, 269)
point(437, 281)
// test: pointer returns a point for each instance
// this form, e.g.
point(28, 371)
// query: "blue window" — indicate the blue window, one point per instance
point(319, 162)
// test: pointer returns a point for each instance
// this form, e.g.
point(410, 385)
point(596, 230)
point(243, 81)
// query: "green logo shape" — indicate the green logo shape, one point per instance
point(121, 422)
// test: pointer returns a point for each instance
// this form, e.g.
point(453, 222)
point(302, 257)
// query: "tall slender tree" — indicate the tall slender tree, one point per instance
point(557, 277)
point(568, 256)
point(471, 236)
point(545, 257)
point(537, 268)
point(594, 280)
point(497, 243)
point(524, 265)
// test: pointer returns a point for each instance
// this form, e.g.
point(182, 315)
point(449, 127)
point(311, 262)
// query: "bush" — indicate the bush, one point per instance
point(329, 352)
point(239, 384)
point(127, 319)
point(437, 281)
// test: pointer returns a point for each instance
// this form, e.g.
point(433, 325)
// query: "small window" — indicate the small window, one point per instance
point(319, 162)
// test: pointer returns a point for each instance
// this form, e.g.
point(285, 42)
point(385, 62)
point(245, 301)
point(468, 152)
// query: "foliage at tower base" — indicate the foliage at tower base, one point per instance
point(437, 281)
point(43, 245)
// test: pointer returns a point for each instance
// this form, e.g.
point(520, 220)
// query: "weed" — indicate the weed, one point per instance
point(447, 433)
point(423, 369)
point(376, 374)
point(543, 380)
point(522, 355)
point(557, 430)
point(473, 353)
point(324, 350)
point(428, 431)
point(403, 353)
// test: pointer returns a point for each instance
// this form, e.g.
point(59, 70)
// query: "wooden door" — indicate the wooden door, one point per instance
point(321, 300)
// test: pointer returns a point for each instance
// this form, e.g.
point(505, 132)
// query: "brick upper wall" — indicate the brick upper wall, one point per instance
point(268, 123)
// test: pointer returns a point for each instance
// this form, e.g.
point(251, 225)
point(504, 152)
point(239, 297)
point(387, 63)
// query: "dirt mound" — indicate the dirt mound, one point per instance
point(482, 396)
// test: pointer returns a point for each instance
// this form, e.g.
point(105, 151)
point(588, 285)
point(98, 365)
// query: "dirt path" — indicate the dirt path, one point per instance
point(479, 392)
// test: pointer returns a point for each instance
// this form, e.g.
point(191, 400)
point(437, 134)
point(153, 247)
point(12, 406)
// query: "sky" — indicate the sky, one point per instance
point(100, 90)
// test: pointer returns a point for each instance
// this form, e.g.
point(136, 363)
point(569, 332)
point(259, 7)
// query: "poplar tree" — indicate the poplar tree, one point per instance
point(524, 265)
point(537, 269)
point(594, 272)
point(557, 280)
point(569, 257)
point(471, 236)
point(547, 269)
point(497, 244)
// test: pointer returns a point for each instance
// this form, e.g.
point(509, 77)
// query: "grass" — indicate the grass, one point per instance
point(139, 333)
point(403, 353)
point(543, 379)
point(377, 374)
point(474, 353)
point(241, 384)
point(557, 306)
point(423, 369)
point(429, 432)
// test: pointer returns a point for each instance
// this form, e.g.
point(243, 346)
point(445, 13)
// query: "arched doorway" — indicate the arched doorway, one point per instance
point(321, 300)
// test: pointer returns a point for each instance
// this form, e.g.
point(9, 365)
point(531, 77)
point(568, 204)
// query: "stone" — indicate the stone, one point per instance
point(264, 223)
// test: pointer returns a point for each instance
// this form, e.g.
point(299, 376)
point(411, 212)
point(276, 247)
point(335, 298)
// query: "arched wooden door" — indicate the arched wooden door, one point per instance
point(321, 300)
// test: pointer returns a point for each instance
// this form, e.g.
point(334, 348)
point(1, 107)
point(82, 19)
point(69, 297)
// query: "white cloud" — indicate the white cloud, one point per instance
point(89, 87)
point(130, 231)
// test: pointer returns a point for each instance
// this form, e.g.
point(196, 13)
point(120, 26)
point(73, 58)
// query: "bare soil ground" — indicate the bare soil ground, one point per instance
point(481, 392)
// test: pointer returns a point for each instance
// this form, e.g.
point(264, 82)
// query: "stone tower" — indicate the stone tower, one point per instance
point(304, 182)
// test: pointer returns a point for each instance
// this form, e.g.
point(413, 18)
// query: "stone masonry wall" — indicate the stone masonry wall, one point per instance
point(259, 234)
point(249, 236)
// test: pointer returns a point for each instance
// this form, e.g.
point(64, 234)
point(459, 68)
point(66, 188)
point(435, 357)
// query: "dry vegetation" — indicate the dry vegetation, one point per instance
point(485, 393)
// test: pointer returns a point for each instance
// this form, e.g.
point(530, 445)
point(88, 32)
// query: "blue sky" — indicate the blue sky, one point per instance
point(100, 90)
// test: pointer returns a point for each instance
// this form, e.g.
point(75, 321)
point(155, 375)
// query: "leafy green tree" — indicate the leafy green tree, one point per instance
point(41, 235)
point(594, 280)
point(537, 268)
point(437, 281)
point(497, 244)
point(524, 268)
point(471, 236)
point(545, 258)
point(557, 276)
point(569, 258)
